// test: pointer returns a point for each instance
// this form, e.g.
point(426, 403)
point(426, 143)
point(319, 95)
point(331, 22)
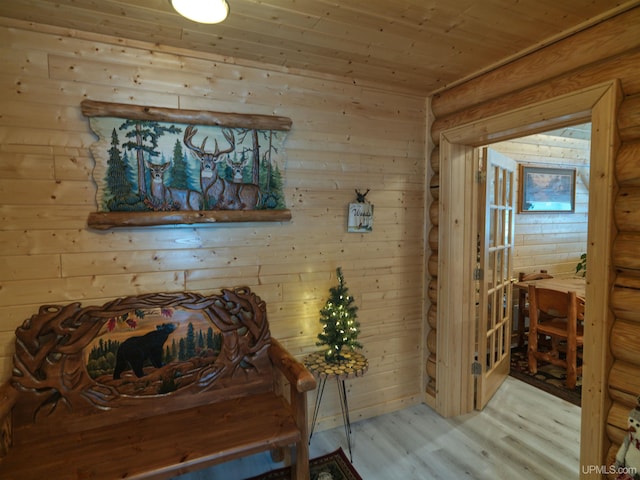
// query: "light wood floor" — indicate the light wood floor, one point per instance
point(523, 433)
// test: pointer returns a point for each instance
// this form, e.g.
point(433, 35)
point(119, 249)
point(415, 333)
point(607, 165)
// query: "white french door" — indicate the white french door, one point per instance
point(495, 259)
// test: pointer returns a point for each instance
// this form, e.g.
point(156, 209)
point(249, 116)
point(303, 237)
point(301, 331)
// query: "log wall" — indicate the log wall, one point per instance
point(610, 50)
point(343, 137)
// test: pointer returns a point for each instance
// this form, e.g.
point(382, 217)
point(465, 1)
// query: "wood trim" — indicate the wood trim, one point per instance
point(92, 108)
point(456, 301)
point(108, 220)
point(599, 318)
point(599, 103)
point(546, 115)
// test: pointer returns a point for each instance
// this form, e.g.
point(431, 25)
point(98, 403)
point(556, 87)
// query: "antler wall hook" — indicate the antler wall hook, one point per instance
point(361, 196)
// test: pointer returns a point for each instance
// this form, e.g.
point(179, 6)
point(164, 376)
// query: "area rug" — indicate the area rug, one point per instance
point(549, 378)
point(333, 466)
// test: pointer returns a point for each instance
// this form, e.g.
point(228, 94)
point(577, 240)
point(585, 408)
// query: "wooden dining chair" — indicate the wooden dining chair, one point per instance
point(561, 323)
point(523, 303)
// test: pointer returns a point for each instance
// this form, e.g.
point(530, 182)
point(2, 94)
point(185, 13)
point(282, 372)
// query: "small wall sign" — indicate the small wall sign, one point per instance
point(360, 219)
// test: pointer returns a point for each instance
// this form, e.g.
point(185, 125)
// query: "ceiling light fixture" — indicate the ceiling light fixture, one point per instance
point(202, 11)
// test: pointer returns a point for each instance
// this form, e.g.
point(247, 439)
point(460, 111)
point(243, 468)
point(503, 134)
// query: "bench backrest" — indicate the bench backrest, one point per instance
point(79, 367)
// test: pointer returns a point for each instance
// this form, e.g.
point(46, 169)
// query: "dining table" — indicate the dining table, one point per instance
point(566, 284)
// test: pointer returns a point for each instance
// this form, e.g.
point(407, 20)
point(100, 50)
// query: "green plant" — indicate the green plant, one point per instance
point(582, 265)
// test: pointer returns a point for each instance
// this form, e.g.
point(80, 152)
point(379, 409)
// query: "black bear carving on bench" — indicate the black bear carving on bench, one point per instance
point(135, 350)
point(219, 343)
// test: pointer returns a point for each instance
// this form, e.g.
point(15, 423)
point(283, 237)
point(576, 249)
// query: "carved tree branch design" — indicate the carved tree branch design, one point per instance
point(49, 358)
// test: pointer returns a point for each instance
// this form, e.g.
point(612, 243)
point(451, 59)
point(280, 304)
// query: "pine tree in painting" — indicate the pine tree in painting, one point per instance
point(191, 341)
point(179, 173)
point(339, 325)
point(119, 194)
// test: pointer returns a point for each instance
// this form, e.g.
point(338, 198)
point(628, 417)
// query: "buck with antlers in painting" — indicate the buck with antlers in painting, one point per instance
point(219, 193)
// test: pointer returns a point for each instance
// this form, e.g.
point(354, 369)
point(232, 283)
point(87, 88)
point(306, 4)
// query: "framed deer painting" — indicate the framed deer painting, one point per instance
point(158, 165)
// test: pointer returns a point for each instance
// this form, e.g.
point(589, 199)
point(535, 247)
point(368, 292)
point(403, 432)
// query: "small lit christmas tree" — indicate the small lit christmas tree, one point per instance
point(338, 318)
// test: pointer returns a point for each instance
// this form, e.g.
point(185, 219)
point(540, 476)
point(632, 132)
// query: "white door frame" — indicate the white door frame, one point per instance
point(457, 246)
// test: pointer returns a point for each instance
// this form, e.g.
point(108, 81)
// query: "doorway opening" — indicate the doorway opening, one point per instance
point(457, 246)
point(548, 238)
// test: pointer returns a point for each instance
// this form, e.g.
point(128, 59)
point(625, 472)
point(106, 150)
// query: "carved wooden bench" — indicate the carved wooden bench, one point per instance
point(151, 386)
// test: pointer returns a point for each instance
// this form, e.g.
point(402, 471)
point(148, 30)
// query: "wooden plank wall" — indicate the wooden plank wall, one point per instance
point(551, 241)
point(343, 137)
point(610, 50)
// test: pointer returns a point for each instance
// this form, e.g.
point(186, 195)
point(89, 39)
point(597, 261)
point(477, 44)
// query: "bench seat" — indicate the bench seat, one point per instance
point(215, 386)
point(171, 445)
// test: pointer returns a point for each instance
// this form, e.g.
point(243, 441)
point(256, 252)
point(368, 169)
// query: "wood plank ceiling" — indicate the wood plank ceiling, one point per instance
point(418, 46)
